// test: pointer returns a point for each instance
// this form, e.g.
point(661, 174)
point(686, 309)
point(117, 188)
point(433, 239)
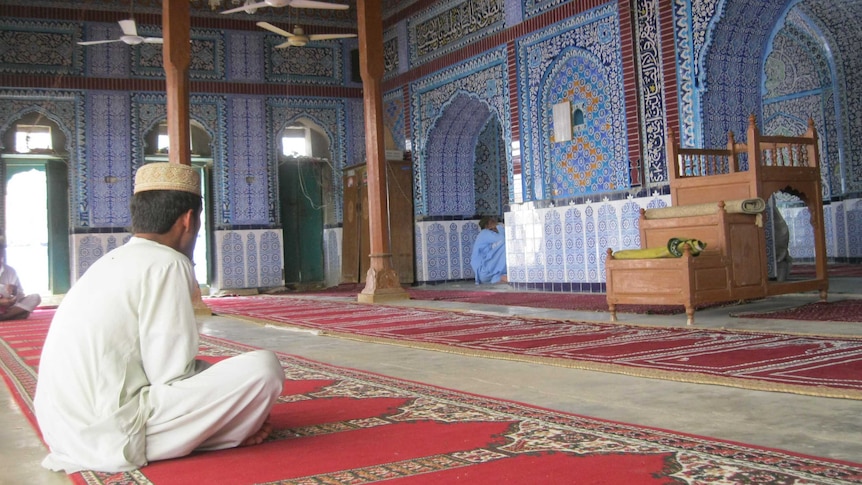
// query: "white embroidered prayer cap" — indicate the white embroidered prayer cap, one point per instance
point(167, 176)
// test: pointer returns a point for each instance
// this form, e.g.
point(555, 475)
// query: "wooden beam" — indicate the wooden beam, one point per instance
point(176, 24)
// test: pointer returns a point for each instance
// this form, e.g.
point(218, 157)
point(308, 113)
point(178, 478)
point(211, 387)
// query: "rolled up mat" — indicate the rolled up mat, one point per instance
point(754, 205)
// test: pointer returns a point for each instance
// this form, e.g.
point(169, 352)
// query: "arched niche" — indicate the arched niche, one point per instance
point(156, 150)
point(35, 119)
point(306, 199)
point(155, 141)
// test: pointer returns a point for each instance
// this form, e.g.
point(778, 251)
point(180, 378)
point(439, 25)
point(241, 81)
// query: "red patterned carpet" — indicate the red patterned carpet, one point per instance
point(830, 311)
point(810, 365)
point(340, 426)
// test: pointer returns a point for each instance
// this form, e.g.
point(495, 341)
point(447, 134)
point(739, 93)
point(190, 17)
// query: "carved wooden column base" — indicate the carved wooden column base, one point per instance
point(382, 282)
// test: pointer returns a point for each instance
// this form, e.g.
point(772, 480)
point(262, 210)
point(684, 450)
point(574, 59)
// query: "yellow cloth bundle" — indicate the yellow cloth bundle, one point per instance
point(755, 205)
point(675, 249)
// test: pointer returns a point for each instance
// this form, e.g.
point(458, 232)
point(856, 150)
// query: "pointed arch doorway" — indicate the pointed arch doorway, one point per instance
point(306, 201)
point(36, 202)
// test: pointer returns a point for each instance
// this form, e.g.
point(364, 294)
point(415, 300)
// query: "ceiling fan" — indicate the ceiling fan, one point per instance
point(130, 36)
point(252, 7)
point(298, 38)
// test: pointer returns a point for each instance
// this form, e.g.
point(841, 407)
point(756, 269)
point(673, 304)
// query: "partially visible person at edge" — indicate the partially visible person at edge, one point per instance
point(118, 384)
point(489, 252)
point(14, 304)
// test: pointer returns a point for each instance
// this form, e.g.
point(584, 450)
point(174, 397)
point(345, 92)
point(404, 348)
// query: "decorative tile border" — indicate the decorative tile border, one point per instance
point(450, 25)
point(40, 47)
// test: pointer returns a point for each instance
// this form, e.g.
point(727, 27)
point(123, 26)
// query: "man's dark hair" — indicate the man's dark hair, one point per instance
point(156, 211)
point(485, 220)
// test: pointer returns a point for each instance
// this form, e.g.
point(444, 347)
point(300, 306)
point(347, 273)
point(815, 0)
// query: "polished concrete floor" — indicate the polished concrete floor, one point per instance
point(814, 426)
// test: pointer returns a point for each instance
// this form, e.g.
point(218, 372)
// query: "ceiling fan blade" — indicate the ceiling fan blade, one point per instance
point(246, 8)
point(129, 27)
point(95, 42)
point(283, 45)
point(330, 36)
point(154, 40)
point(272, 28)
point(314, 4)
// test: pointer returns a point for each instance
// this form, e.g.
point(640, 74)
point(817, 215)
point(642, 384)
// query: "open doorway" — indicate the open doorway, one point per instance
point(27, 227)
point(36, 205)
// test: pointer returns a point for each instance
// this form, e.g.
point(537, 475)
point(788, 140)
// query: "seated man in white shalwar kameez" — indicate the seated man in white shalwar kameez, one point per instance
point(118, 384)
point(14, 304)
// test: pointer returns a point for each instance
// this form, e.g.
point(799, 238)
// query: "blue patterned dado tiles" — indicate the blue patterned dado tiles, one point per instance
point(332, 238)
point(843, 221)
point(443, 250)
point(87, 248)
point(248, 259)
point(243, 258)
point(567, 244)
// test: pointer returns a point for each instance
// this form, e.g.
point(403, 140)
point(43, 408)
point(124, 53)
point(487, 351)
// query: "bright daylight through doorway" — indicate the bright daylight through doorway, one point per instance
point(27, 229)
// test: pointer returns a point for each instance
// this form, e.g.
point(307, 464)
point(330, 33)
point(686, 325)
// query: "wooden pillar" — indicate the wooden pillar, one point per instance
point(381, 282)
point(176, 54)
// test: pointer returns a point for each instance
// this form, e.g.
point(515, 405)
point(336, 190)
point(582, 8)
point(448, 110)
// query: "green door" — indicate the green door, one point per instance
point(57, 176)
point(301, 200)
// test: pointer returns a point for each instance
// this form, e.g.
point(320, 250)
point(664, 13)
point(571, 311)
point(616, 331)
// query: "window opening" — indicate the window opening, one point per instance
point(295, 141)
point(33, 138)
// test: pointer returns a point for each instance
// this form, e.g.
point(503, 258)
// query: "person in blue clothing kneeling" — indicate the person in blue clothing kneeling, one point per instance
point(489, 252)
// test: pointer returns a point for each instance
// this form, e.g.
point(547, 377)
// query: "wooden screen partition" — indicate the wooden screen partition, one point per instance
point(355, 243)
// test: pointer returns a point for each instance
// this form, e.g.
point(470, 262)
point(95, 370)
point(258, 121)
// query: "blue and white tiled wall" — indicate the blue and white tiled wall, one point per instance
point(332, 255)
point(443, 250)
point(555, 248)
point(87, 248)
point(248, 259)
point(843, 224)
point(563, 248)
point(243, 258)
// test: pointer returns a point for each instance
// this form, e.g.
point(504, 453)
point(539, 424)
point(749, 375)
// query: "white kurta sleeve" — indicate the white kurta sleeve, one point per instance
point(168, 331)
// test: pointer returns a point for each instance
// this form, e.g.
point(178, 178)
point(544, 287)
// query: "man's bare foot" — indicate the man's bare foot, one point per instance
point(504, 279)
point(258, 437)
